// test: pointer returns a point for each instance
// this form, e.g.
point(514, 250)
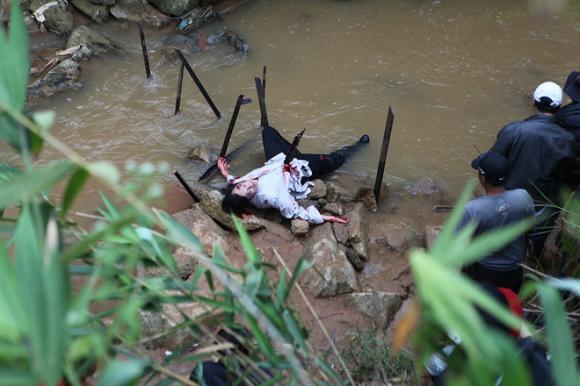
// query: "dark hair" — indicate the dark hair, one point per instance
point(234, 203)
point(544, 105)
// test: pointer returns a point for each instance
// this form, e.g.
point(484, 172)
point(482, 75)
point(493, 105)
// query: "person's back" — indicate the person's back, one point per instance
point(569, 118)
point(497, 211)
point(538, 150)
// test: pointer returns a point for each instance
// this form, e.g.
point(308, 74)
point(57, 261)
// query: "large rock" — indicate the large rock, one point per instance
point(202, 152)
point(431, 233)
point(357, 229)
point(331, 273)
point(96, 42)
point(55, 18)
point(366, 195)
point(97, 13)
point(381, 307)
point(139, 12)
point(398, 235)
point(334, 208)
point(318, 190)
point(211, 204)
point(174, 7)
point(203, 227)
point(354, 258)
point(424, 186)
point(185, 261)
point(63, 76)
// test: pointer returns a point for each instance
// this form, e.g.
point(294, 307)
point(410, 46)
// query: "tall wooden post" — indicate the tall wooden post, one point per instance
point(144, 50)
point(383, 157)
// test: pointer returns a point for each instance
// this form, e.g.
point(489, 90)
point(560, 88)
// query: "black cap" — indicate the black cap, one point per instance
point(494, 167)
point(572, 86)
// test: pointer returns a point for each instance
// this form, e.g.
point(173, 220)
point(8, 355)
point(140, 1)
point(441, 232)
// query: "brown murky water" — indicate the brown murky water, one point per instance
point(453, 71)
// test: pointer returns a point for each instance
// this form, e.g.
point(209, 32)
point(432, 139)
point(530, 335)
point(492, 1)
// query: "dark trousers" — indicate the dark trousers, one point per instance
point(320, 164)
point(540, 232)
point(511, 279)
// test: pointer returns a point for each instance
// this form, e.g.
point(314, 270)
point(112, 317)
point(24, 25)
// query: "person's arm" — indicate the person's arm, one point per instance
point(223, 167)
point(290, 209)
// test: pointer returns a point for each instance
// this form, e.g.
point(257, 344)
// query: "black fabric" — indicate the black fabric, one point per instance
point(511, 279)
point(540, 153)
point(535, 357)
point(320, 164)
point(569, 118)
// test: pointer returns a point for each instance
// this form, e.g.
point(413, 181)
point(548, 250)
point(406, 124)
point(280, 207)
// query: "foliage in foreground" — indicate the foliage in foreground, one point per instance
point(50, 332)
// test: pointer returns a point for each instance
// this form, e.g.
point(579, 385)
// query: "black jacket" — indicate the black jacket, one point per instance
point(540, 153)
point(569, 118)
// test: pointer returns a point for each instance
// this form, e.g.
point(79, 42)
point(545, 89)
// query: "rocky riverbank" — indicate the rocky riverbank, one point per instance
point(58, 68)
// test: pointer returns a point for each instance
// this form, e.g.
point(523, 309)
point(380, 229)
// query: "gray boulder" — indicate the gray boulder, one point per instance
point(203, 227)
point(331, 273)
point(354, 258)
point(55, 18)
point(211, 204)
point(318, 190)
point(336, 192)
point(64, 76)
point(357, 229)
point(93, 40)
point(97, 13)
point(174, 7)
point(139, 12)
point(299, 227)
point(334, 208)
point(381, 307)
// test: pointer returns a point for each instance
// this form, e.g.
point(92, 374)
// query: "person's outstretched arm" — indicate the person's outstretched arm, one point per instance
point(223, 167)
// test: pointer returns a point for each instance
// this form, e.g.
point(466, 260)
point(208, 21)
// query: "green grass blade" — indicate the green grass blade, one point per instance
point(74, 187)
point(559, 338)
point(24, 187)
point(122, 373)
point(251, 251)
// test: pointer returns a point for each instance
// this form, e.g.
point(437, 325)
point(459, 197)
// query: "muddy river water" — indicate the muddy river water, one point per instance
point(453, 71)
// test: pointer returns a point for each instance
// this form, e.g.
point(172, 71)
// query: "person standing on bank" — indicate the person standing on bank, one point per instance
point(276, 185)
point(496, 209)
point(569, 118)
point(539, 153)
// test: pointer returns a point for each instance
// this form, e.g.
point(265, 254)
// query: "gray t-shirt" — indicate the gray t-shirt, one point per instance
point(491, 212)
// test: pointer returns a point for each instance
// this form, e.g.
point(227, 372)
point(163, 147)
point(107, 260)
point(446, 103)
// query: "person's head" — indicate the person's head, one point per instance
point(492, 169)
point(572, 86)
point(548, 97)
point(237, 196)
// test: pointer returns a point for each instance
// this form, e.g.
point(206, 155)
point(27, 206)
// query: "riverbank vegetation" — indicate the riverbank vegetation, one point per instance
point(73, 301)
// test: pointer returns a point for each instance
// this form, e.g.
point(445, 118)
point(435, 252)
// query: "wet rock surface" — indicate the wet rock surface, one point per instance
point(357, 230)
point(424, 186)
point(398, 235)
point(174, 7)
point(64, 76)
point(96, 42)
point(431, 233)
point(203, 227)
point(97, 13)
point(381, 307)
point(318, 190)
point(139, 12)
point(204, 153)
point(331, 273)
point(55, 17)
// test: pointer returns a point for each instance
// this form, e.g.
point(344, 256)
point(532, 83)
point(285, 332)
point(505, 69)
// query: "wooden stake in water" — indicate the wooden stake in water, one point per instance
point(144, 49)
point(179, 87)
point(198, 83)
point(383, 157)
point(186, 186)
point(262, 103)
point(239, 102)
point(293, 147)
point(264, 80)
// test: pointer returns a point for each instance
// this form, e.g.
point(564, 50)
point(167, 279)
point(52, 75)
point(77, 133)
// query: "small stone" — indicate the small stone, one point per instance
point(299, 227)
point(174, 7)
point(398, 236)
point(137, 11)
point(93, 40)
point(366, 195)
point(424, 186)
point(358, 230)
point(334, 208)
point(431, 233)
point(63, 76)
point(83, 54)
point(336, 192)
point(318, 190)
point(97, 13)
point(202, 152)
point(340, 232)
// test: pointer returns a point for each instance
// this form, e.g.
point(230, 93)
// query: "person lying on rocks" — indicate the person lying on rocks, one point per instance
point(276, 185)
